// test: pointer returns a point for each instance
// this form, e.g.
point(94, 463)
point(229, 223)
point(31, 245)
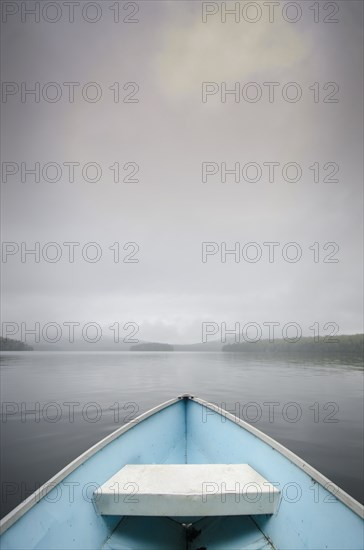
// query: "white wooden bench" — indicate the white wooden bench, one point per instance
point(186, 490)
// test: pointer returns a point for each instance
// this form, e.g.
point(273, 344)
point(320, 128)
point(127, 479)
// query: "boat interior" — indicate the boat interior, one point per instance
point(188, 433)
point(223, 533)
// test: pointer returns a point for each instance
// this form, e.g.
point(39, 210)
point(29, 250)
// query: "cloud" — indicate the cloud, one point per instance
point(192, 52)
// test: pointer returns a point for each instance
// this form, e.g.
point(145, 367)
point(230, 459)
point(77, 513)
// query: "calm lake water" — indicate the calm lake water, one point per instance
point(56, 405)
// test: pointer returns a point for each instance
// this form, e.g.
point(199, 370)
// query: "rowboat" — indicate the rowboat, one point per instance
point(186, 475)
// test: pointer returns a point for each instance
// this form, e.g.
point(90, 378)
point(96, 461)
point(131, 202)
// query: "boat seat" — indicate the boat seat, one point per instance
point(186, 490)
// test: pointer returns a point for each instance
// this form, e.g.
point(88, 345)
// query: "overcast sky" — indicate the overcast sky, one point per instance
point(169, 134)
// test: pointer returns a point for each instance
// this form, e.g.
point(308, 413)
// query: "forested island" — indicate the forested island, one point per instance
point(152, 346)
point(7, 344)
point(341, 346)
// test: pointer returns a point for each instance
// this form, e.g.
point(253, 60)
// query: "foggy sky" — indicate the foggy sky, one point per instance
point(169, 134)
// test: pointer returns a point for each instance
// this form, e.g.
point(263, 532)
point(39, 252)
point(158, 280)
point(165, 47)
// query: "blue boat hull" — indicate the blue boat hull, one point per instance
point(313, 513)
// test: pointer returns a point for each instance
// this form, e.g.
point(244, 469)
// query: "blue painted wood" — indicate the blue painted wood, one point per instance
point(309, 517)
point(301, 522)
point(147, 533)
point(229, 533)
point(219, 533)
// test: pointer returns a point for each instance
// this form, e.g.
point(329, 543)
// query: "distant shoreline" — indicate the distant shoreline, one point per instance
point(7, 344)
point(338, 346)
point(351, 346)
